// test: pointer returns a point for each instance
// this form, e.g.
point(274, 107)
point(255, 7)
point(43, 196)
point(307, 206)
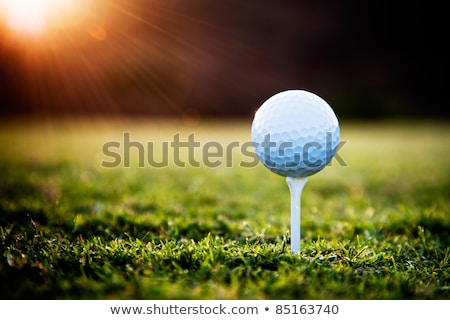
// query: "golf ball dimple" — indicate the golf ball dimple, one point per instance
point(295, 133)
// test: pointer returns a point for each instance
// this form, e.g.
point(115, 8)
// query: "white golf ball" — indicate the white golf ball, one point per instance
point(295, 133)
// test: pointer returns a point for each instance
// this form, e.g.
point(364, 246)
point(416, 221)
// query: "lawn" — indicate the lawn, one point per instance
point(375, 225)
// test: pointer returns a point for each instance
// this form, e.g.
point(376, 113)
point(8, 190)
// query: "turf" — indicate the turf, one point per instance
point(376, 227)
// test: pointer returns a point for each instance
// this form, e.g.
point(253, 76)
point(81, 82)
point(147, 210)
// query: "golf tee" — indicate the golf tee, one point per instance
point(295, 187)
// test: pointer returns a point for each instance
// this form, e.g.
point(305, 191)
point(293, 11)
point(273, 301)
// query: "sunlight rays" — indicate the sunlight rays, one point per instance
point(118, 56)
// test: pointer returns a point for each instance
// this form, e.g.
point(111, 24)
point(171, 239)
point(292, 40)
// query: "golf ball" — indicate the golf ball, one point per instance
point(295, 133)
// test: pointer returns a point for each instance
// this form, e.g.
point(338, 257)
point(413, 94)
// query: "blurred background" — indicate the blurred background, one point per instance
point(200, 59)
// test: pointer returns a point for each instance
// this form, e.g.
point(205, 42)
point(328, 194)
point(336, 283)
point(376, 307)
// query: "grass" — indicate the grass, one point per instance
point(377, 228)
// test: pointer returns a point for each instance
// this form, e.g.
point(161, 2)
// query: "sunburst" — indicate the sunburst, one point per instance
point(37, 16)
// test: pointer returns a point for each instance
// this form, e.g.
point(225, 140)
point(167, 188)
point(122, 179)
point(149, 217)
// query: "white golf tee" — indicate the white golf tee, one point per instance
point(295, 188)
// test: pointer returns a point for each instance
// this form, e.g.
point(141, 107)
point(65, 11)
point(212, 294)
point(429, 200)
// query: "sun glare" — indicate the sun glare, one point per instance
point(36, 16)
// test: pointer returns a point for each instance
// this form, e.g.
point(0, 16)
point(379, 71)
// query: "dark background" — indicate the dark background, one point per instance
point(202, 58)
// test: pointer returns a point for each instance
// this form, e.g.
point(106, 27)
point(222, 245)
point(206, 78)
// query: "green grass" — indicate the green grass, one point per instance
point(377, 228)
